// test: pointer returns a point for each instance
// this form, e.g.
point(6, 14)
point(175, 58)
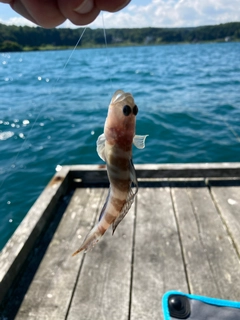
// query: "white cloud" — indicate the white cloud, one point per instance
point(162, 13)
point(173, 13)
point(204, 12)
point(18, 21)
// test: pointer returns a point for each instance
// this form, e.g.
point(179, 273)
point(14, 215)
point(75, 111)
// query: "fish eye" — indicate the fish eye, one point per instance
point(127, 110)
point(135, 110)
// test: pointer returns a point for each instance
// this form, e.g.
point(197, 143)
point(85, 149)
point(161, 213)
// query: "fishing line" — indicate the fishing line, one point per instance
point(80, 38)
point(106, 47)
point(13, 162)
point(232, 130)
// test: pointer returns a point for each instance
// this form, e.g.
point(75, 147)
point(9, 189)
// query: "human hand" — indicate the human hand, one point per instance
point(51, 13)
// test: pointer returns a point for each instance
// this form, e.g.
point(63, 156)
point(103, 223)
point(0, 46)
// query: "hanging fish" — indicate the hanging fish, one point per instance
point(115, 147)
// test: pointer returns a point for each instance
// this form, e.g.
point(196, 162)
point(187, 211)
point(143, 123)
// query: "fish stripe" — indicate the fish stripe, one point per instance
point(109, 218)
point(121, 163)
point(101, 229)
point(117, 203)
point(120, 175)
point(119, 184)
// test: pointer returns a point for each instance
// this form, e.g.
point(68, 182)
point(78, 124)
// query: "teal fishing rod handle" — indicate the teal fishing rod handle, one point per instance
point(177, 305)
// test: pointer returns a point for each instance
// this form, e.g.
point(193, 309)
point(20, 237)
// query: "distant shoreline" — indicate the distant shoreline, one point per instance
point(52, 48)
point(14, 39)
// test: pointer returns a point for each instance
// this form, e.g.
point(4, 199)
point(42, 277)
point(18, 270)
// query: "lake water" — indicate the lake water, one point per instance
point(51, 111)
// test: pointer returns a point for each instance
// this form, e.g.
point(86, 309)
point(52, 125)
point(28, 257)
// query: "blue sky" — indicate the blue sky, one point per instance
point(154, 13)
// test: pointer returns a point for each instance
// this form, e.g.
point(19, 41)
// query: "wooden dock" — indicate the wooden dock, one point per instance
point(182, 233)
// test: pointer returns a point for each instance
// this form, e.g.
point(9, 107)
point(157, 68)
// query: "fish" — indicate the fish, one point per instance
point(114, 147)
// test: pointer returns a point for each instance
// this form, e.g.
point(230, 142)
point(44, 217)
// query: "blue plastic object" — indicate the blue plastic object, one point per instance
point(178, 305)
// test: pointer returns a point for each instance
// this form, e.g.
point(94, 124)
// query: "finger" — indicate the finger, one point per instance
point(79, 12)
point(19, 8)
point(44, 13)
point(111, 6)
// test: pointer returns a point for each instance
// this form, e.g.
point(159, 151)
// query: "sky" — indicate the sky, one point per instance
point(153, 13)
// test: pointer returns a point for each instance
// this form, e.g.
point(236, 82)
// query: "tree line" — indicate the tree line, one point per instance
point(13, 38)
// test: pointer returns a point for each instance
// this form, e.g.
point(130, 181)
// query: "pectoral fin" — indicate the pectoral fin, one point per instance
point(101, 146)
point(139, 141)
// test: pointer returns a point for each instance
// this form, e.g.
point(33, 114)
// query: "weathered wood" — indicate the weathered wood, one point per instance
point(17, 249)
point(95, 174)
point(186, 236)
point(228, 202)
point(51, 291)
point(103, 287)
point(199, 273)
point(211, 262)
point(158, 264)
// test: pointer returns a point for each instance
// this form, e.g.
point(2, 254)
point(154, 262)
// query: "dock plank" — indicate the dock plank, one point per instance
point(211, 261)
point(228, 202)
point(103, 290)
point(182, 233)
point(51, 290)
point(197, 266)
point(158, 265)
point(16, 251)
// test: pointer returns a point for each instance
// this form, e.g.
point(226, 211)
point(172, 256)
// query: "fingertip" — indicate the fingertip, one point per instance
point(46, 15)
point(111, 6)
point(48, 24)
point(85, 7)
point(79, 14)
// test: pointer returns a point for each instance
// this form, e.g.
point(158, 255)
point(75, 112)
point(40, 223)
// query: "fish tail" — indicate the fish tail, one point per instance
point(91, 239)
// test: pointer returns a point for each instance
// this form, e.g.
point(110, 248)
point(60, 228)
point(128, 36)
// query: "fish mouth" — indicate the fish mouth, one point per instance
point(120, 95)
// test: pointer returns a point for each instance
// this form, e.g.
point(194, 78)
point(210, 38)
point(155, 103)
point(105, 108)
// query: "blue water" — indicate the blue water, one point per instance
point(188, 98)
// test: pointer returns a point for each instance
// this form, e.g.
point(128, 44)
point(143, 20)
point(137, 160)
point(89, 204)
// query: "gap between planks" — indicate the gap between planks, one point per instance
point(180, 242)
point(211, 260)
point(83, 258)
point(234, 242)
